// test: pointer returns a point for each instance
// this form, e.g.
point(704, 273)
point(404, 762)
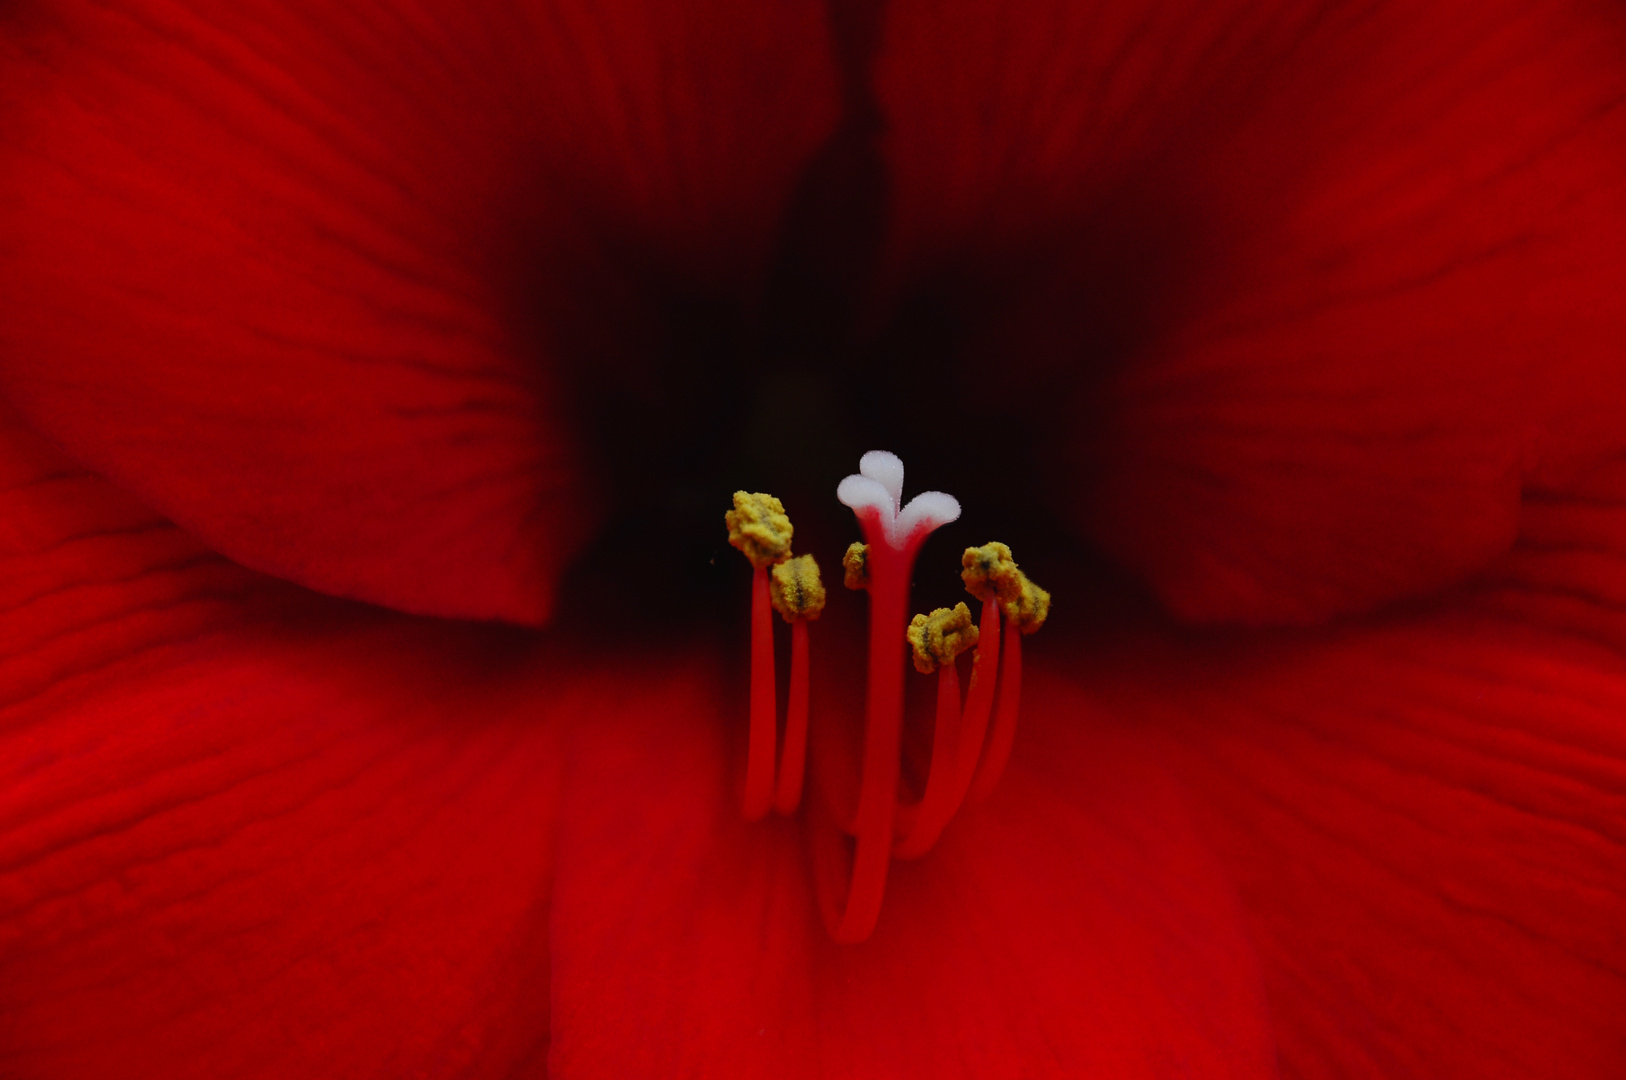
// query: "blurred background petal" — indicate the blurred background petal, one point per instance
point(317, 282)
point(1288, 300)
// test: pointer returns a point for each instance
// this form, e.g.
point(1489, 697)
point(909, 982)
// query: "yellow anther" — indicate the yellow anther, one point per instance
point(1031, 606)
point(856, 564)
point(795, 589)
point(989, 572)
point(758, 527)
point(941, 636)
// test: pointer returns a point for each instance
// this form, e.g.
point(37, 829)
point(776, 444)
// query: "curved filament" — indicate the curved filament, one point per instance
point(946, 786)
point(1004, 733)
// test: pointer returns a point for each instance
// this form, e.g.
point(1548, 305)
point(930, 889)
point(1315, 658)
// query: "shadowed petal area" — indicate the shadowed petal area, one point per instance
point(303, 277)
point(1316, 289)
point(248, 831)
point(1426, 817)
point(1076, 928)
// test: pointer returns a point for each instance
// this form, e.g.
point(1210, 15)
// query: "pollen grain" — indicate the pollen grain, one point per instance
point(796, 589)
point(1029, 608)
point(989, 572)
point(938, 638)
point(856, 564)
point(759, 527)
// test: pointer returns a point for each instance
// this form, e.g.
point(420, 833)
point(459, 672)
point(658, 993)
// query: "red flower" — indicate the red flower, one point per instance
point(1308, 315)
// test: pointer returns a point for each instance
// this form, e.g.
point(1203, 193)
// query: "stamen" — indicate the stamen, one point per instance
point(937, 639)
point(798, 596)
point(759, 528)
point(989, 574)
point(946, 788)
point(985, 571)
point(1026, 612)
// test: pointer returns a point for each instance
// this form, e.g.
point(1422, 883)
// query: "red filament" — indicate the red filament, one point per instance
point(793, 765)
point(889, 568)
point(759, 754)
point(919, 825)
point(1004, 733)
point(947, 783)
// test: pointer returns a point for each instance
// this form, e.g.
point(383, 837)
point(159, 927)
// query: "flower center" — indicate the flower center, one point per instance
point(854, 846)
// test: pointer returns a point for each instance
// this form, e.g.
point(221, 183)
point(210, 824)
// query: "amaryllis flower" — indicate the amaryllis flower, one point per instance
point(373, 667)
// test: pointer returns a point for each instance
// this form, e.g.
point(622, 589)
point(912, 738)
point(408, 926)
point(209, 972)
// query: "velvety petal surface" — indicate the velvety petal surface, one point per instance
point(247, 831)
point(1308, 291)
point(311, 280)
point(1077, 927)
point(1426, 816)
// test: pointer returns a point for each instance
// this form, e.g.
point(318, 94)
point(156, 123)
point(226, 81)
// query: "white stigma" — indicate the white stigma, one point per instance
point(878, 486)
point(885, 468)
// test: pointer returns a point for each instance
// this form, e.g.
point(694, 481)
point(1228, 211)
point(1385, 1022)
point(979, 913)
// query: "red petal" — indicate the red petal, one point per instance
point(89, 576)
point(318, 845)
point(279, 268)
point(1073, 929)
point(1317, 288)
point(1427, 819)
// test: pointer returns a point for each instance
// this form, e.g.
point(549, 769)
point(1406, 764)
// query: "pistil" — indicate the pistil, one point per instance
point(893, 536)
